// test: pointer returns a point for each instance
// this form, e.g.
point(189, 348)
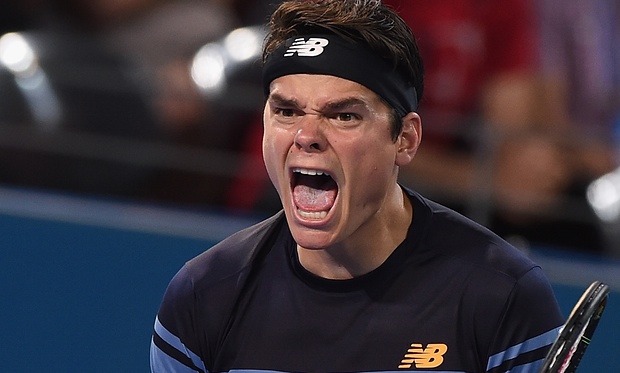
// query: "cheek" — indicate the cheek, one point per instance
point(269, 158)
point(275, 148)
point(372, 156)
point(374, 169)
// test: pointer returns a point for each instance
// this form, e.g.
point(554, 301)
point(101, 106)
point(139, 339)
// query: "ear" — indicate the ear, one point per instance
point(409, 139)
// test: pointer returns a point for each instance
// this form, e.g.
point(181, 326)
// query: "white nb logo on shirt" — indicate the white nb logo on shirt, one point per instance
point(311, 48)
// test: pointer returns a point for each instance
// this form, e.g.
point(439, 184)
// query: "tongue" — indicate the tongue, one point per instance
point(314, 193)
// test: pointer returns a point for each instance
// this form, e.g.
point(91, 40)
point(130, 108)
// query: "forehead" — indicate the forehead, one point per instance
point(320, 89)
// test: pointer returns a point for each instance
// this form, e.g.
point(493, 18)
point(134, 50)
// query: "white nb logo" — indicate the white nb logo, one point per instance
point(312, 47)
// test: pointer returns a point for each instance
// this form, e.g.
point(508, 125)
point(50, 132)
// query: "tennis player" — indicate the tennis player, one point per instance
point(357, 273)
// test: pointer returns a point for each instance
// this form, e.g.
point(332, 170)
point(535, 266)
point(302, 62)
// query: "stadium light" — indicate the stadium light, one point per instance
point(17, 55)
point(604, 196)
point(208, 68)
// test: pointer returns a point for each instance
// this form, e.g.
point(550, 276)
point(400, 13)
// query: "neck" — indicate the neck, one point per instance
point(371, 247)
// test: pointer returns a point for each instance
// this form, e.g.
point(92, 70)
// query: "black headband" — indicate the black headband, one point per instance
point(332, 55)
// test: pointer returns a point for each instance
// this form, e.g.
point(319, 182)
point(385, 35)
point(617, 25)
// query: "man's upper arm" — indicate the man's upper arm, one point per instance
point(173, 346)
point(530, 325)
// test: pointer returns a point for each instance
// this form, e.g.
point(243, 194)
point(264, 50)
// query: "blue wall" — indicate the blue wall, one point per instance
point(81, 299)
point(77, 297)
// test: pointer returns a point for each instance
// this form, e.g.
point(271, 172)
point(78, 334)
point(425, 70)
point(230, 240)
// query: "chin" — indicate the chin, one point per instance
point(311, 239)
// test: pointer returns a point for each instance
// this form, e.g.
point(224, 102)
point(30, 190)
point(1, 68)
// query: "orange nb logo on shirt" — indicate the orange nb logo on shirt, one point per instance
point(430, 356)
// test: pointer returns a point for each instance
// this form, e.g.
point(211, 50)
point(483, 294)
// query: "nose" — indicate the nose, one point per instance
point(310, 137)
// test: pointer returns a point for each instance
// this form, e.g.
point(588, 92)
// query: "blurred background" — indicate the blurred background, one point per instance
point(130, 141)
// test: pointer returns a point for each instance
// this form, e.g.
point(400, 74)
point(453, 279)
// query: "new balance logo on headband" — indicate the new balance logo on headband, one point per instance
point(331, 54)
point(311, 48)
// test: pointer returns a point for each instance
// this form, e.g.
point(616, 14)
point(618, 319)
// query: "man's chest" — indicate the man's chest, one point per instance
point(286, 326)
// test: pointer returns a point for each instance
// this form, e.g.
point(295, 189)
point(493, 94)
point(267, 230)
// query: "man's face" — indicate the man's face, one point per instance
point(329, 153)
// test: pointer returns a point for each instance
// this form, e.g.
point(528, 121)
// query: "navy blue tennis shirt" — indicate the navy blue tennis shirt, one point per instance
point(453, 297)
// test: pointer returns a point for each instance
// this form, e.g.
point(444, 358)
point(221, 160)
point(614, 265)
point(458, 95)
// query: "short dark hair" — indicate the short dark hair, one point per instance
point(366, 21)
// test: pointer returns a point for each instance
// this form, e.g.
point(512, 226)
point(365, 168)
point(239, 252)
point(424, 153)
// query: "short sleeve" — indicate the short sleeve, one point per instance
point(174, 344)
point(530, 324)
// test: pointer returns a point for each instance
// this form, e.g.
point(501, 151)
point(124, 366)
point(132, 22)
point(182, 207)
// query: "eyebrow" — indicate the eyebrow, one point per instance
point(338, 105)
point(345, 103)
point(280, 100)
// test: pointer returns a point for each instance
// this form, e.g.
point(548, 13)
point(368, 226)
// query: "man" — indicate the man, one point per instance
point(357, 274)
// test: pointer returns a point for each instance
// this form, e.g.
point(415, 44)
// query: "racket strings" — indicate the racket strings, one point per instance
point(575, 336)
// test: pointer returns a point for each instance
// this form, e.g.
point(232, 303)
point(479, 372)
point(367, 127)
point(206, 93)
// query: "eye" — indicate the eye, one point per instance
point(286, 115)
point(346, 117)
point(284, 112)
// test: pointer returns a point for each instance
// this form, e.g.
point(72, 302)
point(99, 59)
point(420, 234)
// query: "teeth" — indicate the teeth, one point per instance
point(305, 171)
point(312, 214)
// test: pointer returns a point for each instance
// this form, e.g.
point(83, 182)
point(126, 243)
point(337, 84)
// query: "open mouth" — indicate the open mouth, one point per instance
point(314, 192)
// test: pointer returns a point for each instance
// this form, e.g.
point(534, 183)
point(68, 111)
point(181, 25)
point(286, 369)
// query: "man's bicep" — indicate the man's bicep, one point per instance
point(173, 348)
point(162, 361)
point(529, 326)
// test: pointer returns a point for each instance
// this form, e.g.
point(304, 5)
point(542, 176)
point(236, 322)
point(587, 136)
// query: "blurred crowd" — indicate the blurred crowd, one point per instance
point(520, 110)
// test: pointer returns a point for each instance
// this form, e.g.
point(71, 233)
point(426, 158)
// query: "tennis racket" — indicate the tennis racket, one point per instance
point(568, 349)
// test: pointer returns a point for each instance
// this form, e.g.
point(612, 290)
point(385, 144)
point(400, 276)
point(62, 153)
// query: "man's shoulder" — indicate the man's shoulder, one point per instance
point(455, 235)
point(234, 254)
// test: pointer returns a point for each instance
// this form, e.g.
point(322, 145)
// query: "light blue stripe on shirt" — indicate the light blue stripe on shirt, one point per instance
point(175, 342)
point(531, 344)
point(527, 368)
point(162, 363)
point(386, 371)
